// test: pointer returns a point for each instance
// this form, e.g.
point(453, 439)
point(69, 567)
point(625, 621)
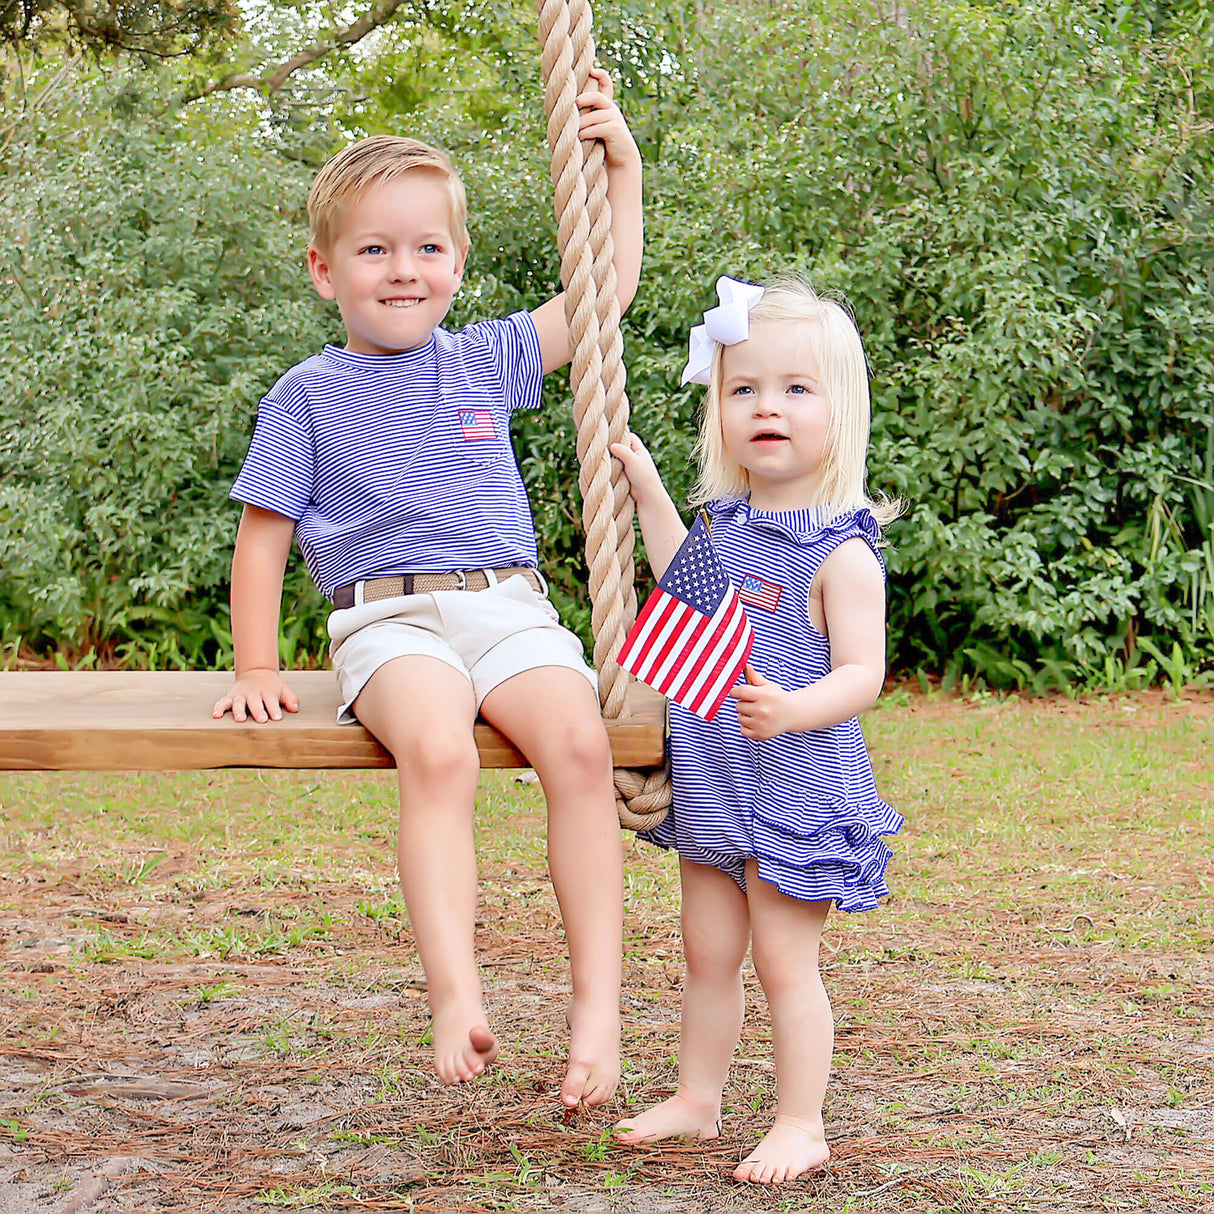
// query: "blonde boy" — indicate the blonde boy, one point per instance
point(390, 462)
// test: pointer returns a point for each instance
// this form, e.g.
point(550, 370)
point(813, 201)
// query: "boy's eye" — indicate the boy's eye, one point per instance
point(374, 250)
point(431, 247)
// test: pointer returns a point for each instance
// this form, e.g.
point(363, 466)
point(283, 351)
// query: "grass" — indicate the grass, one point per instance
point(1024, 1024)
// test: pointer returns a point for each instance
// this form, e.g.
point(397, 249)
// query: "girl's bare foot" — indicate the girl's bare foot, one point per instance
point(678, 1117)
point(463, 1044)
point(594, 1056)
point(792, 1147)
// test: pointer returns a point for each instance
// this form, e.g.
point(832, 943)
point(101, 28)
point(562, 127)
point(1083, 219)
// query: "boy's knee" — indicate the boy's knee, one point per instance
point(581, 743)
point(439, 756)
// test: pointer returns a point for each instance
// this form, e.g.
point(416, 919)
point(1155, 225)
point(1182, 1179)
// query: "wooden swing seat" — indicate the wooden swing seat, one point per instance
point(84, 720)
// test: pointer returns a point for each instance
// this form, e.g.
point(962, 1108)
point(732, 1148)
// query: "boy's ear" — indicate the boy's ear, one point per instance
point(318, 267)
point(460, 261)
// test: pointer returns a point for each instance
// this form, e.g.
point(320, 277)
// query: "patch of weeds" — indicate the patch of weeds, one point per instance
point(211, 992)
point(277, 1038)
point(308, 1195)
point(272, 936)
point(595, 1151)
point(525, 1176)
point(104, 946)
point(392, 1080)
point(391, 911)
point(366, 1140)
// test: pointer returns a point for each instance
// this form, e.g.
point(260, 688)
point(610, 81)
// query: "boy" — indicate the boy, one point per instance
point(390, 462)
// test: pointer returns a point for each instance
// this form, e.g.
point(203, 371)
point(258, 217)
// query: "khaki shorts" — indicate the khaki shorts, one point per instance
point(488, 635)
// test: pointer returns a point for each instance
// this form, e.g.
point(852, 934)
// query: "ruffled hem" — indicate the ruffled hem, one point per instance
point(844, 863)
point(785, 821)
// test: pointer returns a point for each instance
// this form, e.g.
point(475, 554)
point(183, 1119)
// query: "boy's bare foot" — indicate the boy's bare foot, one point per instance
point(792, 1147)
point(678, 1117)
point(594, 1057)
point(463, 1044)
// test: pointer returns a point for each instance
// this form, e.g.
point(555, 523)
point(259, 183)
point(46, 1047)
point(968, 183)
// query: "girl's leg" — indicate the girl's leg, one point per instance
point(787, 935)
point(422, 710)
point(716, 931)
point(552, 715)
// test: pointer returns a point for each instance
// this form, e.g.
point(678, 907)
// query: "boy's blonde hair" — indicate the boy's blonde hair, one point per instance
point(844, 382)
point(374, 161)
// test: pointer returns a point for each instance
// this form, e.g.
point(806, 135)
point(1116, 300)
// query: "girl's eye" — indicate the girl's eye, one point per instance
point(797, 388)
point(742, 390)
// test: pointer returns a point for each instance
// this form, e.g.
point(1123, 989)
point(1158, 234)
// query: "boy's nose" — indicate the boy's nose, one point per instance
point(402, 268)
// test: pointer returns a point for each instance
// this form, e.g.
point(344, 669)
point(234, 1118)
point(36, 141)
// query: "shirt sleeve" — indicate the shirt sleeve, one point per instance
point(278, 472)
point(515, 346)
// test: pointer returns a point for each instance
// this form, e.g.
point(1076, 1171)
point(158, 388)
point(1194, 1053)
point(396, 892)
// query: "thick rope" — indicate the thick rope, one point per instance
point(597, 374)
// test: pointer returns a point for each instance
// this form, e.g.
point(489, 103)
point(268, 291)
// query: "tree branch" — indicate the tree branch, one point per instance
point(273, 78)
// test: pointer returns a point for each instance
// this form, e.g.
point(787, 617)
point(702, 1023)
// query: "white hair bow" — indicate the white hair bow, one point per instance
point(726, 325)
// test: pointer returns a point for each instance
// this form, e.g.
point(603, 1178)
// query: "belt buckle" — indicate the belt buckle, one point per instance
point(461, 580)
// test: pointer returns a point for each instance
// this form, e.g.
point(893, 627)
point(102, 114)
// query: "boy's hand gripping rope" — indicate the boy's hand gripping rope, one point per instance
point(600, 403)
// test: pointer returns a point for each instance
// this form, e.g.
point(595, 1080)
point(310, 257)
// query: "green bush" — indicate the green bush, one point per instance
point(1015, 199)
point(154, 290)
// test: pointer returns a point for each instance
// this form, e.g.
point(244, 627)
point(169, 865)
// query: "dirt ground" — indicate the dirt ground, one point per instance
point(986, 1062)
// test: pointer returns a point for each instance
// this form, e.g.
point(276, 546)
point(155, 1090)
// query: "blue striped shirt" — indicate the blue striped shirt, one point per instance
point(401, 463)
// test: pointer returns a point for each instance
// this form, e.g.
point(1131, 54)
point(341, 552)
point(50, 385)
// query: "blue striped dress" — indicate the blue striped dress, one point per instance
point(803, 805)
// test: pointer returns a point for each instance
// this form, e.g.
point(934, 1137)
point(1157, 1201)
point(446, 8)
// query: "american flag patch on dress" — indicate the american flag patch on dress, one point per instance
point(476, 424)
point(758, 593)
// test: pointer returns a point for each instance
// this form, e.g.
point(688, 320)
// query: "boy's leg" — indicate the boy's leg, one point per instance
point(422, 710)
point(787, 935)
point(716, 931)
point(552, 715)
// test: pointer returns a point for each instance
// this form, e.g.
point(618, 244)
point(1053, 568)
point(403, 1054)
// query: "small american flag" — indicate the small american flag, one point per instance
point(758, 593)
point(476, 424)
point(692, 639)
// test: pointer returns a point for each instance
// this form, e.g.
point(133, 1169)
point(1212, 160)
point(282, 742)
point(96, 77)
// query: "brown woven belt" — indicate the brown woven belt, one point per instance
point(377, 588)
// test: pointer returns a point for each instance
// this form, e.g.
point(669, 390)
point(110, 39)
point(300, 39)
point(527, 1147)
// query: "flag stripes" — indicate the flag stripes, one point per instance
point(692, 639)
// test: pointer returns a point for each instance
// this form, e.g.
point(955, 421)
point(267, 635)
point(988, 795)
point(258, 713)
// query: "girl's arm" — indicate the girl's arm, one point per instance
point(661, 526)
point(853, 601)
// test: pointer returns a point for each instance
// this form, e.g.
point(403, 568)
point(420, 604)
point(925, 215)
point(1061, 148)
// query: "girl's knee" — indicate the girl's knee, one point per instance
point(783, 969)
point(712, 955)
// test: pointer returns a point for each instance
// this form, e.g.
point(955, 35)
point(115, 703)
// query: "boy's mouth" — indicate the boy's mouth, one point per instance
point(400, 303)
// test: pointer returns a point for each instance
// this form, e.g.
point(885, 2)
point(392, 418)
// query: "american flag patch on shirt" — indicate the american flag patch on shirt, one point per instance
point(476, 424)
point(758, 593)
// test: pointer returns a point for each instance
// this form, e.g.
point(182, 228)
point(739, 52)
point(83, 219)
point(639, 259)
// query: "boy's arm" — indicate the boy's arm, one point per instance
point(263, 543)
point(601, 119)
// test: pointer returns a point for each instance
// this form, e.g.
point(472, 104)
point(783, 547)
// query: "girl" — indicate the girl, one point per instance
point(775, 814)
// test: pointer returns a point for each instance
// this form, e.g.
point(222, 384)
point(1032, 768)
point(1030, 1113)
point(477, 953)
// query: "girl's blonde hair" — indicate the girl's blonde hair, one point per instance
point(375, 161)
point(844, 381)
